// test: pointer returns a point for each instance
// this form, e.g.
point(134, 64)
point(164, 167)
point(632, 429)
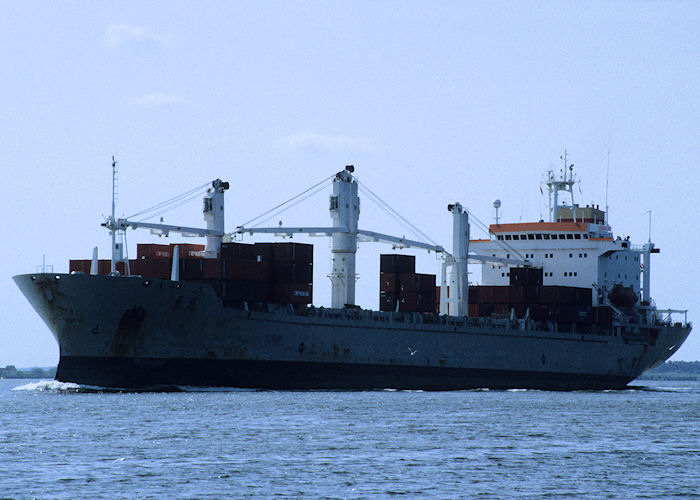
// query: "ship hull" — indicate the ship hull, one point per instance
point(135, 333)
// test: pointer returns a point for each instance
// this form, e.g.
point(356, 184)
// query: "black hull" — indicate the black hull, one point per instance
point(139, 373)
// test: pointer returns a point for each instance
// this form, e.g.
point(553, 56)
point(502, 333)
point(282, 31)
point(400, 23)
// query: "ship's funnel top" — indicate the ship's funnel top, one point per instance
point(350, 168)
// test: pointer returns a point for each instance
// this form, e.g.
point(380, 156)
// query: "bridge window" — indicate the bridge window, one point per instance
point(569, 236)
point(546, 236)
point(500, 236)
point(507, 236)
point(577, 236)
point(538, 236)
point(530, 236)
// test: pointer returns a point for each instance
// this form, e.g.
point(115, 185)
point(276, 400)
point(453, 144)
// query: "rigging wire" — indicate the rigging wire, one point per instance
point(393, 213)
point(189, 194)
point(300, 200)
point(182, 202)
point(485, 228)
point(287, 201)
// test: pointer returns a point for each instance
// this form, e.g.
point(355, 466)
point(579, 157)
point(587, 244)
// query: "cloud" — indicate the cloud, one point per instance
point(121, 34)
point(159, 99)
point(306, 140)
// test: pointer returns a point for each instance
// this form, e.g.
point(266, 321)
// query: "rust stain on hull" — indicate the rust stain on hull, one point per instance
point(129, 334)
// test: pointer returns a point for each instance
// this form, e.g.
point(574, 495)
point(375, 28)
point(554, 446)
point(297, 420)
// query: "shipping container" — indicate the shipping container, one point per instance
point(603, 315)
point(396, 263)
point(242, 269)
point(485, 294)
point(387, 301)
point(407, 282)
point(153, 251)
point(292, 272)
point(235, 250)
point(293, 252)
point(187, 250)
point(263, 251)
point(425, 282)
point(584, 296)
point(526, 276)
point(212, 268)
point(583, 314)
point(388, 282)
point(191, 269)
point(153, 268)
point(292, 293)
point(104, 267)
point(425, 302)
point(408, 301)
point(500, 294)
point(473, 310)
point(501, 309)
point(79, 266)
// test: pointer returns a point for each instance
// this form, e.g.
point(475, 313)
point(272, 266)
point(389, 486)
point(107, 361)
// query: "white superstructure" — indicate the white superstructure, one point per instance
point(575, 248)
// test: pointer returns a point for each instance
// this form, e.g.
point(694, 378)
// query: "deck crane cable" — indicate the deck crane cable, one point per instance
point(393, 213)
point(274, 209)
point(173, 206)
point(162, 205)
point(290, 205)
point(500, 243)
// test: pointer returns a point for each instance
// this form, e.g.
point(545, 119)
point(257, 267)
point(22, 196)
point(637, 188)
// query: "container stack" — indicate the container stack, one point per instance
point(260, 272)
point(401, 288)
point(545, 303)
point(292, 273)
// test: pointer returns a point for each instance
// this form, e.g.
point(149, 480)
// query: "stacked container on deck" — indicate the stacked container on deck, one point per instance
point(401, 288)
point(545, 303)
point(260, 272)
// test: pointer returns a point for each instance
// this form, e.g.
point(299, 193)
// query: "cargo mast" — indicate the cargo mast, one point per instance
point(345, 212)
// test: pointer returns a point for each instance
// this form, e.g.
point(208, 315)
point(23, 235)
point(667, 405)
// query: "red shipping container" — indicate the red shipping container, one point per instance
point(80, 266)
point(292, 272)
point(153, 268)
point(485, 294)
point(408, 301)
point(234, 250)
point(501, 308)
point(388, 282)
point(211, 268)
point(387, 301)
point(407, 282)
point(241, 269)
point(187, 250)
point(501, 294)
point(293, 252)
point(397, 263)
point(292, 293)
point(153, 251)
point(425, 282)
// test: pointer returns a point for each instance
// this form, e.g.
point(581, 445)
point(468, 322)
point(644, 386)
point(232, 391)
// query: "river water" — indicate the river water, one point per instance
point(65, 441)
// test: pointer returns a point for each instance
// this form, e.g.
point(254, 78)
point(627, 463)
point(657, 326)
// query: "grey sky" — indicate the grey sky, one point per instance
point(433, 102)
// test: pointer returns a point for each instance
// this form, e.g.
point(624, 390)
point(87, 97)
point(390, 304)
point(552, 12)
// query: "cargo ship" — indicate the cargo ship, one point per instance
point(562, 305)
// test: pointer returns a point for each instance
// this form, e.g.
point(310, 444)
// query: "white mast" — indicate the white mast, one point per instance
point(214, 216)
point(564, 183)
point(345, 212)
point(459, 284)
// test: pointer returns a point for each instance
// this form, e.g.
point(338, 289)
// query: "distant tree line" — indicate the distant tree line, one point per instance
point(11, 371)
point(674, 370)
